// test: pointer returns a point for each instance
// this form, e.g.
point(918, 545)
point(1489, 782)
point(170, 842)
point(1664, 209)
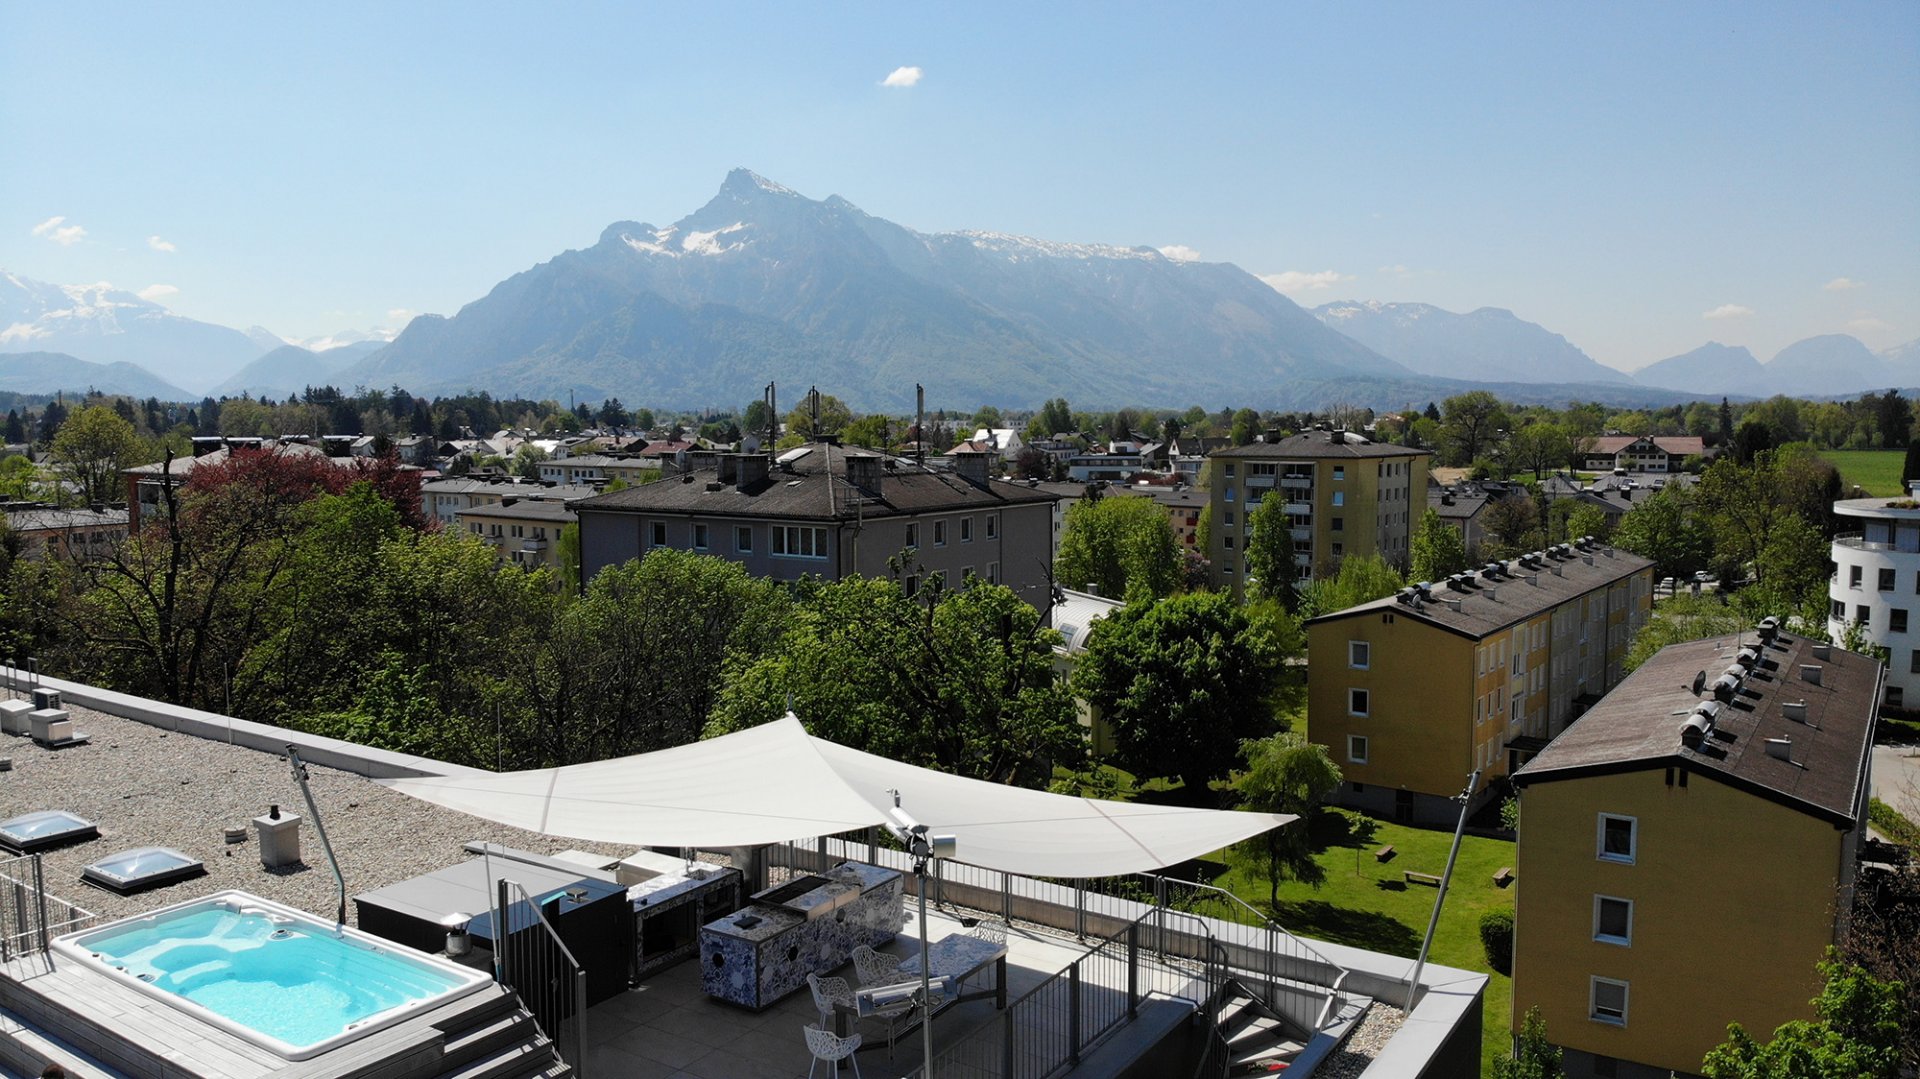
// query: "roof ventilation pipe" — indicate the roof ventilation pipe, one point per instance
point(1780, 749)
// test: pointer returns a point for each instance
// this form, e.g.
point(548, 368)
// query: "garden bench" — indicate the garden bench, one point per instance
point(1504, 877)
point(1422, 878)
point(1383, 854)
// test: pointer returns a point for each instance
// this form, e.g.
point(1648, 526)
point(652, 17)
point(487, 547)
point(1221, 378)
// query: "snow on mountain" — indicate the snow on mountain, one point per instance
point(105, 325)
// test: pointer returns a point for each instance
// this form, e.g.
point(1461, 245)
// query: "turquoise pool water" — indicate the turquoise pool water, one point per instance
point(270, 970)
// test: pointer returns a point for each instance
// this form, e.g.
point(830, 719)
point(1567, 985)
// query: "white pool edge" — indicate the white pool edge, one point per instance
point(470, 981)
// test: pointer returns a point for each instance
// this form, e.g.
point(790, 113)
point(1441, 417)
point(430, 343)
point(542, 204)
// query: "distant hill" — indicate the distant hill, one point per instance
point(51, 372)
point(1490, 344)
point(764, 284)
point(1713, 368)
point(290, 369)
point(103, 325)
point(1831, 365)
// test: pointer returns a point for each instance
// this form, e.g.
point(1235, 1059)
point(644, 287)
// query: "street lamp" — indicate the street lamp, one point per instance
point(924, 848)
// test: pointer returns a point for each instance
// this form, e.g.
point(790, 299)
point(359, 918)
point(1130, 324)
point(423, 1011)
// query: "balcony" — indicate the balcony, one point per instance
point(1302, 534)
point(1855, 542)
point(533, 545)
point(1298, 483)
point(1299, 509)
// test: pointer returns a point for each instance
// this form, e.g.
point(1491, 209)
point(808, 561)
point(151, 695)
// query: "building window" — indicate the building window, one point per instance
point(1356, 749)
point(1359, 655)
point(912, 586)
point(1886, 580)
point(1228, 540)
point(913, 535)
point(1619, 838)
point(1913, 665)
point(1229, 518)
point(799, 541)
point(1339, 524)
point(1356, 702)
point(1336, 550)
point(1229, 469)
point(659, 534)
point(1229, 494)
point(1863, 615)
point(966, 530)
point(1839, 612)
point(1897, 620)
point(1339, 472)
point(699, 537)
point(743, 540)
point(939, 533)
point(1609, 1001)
point(1339, 498)
point(1853, 576)
point(1612, 920)
point(993, 525)
point(993, 573)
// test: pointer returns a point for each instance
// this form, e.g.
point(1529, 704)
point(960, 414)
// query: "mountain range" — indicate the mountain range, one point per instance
point(763, 283)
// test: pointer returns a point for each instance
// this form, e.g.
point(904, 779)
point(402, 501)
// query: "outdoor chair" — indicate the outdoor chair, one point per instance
point(832, 1048)
point(896, 1016)
point(993, 929)
point(871, 968)
point(827, 993)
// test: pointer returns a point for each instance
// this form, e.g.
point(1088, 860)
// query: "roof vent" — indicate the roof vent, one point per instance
point(1425, 588)
point(1794, 710)
point(716, 485)
point(1810, 672)
point(1533, 579)
point(1768, 629)
point(1822, 650)
point(1453, 604)
point(1559, 570)
point(1780, 749)
point(1748, 656)
point(1492, 593)
point(1725, 686)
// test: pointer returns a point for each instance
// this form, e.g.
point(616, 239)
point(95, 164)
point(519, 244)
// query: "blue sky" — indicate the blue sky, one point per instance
point(1638, 177)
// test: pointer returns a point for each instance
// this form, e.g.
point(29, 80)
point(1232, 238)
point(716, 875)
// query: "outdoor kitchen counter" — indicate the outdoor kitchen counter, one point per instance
point(807, 926)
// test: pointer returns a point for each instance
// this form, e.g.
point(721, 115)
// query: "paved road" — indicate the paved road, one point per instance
point(1896, 778)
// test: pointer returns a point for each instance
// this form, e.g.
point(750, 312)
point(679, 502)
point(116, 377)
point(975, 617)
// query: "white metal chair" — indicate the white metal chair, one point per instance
point(871, 968)
point(832, 1048)
point(992, 929)
point(827, 994)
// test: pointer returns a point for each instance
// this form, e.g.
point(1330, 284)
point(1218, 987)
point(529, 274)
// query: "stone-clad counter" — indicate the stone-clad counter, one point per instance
point(764, 951)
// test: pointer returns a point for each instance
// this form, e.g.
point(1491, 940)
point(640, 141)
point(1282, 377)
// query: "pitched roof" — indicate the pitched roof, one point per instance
point(1677, 445)
point(1322, 444)
point(539, 509)
point(813, 485)
point(1514, 594)
point(1637, 726)
point(43, 518)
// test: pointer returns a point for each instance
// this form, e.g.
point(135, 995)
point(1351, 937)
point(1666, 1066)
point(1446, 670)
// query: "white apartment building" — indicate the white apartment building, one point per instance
point(1876, 584)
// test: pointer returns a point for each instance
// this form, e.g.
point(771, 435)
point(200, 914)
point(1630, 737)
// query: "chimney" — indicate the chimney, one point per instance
point(728, 468)
point(751, 469)
point(508, 500)
point(971, 465)
point(1780, 749)
point(864, 472)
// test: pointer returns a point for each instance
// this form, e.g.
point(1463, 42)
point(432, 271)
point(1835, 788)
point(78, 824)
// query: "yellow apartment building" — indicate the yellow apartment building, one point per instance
point(524, 532)
point(1345, 495)
point(1413, 692)
point(1687, 851)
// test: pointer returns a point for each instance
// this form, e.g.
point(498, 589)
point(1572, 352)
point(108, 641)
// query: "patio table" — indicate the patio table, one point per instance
point(960, 956)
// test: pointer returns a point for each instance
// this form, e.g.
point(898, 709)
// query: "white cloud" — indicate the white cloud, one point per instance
point(1728, 310)
point(157, 292)
point(158, 244)
point(1841, 284)
point(56, 229)
point(902, 77)
point(1294, 282)
point(1868, 324)
point(1180, 253)
point(400, 316)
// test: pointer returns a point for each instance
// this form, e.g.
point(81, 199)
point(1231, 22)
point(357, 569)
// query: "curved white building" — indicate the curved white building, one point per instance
point(1876, 583)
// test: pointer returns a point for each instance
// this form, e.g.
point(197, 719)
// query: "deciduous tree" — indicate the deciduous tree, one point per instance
point(92, 448)
point(1123, 546)
point(1285, 774)
point(1438, 549)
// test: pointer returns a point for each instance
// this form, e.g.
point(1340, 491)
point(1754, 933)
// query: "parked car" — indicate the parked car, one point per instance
point(1702, 576)
point(1668, 585)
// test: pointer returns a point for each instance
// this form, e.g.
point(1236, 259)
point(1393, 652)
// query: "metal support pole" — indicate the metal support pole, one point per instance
point(40, 901)
point(579, 1060)
point(1433, 921)
point(926, 975)
point(1080, 907)
point(1133, 970)
point(500, 933)
point(319, 827)
point(1073, 1013)
point(1006, 898)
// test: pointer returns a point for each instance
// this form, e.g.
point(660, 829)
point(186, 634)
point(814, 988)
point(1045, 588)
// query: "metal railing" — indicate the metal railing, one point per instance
point(532, 960)
point(29, 917)
point(1050, 1029)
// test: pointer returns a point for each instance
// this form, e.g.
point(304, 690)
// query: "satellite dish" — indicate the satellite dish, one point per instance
point(1699, 682)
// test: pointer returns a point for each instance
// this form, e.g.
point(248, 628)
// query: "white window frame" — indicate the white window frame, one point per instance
point(1600, 838)
point(993, 572)
point(1358, 741)
point(939, 533)
point(993, 526)
point(1339, 498)
point(699, 537)
point(1594, 983)
point(1360, 655)
point(1360, 697)
point(743, 539)
point(658, 534)
point(786, 538)
point(1625, 940)
point(966, 530)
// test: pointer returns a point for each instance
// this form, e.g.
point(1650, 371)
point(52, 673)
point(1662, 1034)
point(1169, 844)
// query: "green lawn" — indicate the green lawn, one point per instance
point(1368, 904)
point(1876, 471)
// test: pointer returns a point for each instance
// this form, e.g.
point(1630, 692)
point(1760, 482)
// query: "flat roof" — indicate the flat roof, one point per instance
point(539, 509)
point(1322, 444)
point(1637, 725)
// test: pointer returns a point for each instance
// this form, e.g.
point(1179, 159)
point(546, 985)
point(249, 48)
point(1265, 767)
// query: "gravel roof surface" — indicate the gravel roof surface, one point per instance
point(147, 787)
point(1356, 1054)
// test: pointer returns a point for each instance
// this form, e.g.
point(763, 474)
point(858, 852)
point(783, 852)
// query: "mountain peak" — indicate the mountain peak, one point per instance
point(748, 183)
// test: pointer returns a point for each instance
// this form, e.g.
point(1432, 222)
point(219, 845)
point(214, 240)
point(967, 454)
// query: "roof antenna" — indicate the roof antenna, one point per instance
point(773, 417)
point(919, 425)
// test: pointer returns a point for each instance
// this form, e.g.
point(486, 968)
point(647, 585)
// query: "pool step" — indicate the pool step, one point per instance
point(498, 1040)
point(522, 1061)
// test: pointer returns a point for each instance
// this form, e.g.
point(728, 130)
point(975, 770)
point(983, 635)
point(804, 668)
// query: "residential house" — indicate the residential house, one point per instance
point(1004, 441)
point(667, 455)
point(1415, 691)
point(1344, 495)
point(1074, 613)
point(80, 534)
point(1876, 585)
point(1112, 465)
point(1687, 851)
point(1640, 453)
point(147, 484)
point(524, 532)
point(444, 499)
point(827, 511)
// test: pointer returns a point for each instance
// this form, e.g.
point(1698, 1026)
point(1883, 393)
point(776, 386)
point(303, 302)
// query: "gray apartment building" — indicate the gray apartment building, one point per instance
point(830, 511)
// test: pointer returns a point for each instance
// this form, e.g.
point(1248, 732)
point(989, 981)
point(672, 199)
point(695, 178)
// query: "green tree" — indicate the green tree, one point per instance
point(1270, 564)
point(1362, 579)
point(874, 432)
point(1857, 1034)
point(1541, 447)
point(1181, 682)
point(807, 424)
point(1473, 424)
point(1587, 519)
point(1663, 527)
point(18, 478)
point(1246, 424)
point(1285, 774)
point(526, 461)
point(956, 679)
point(1121, 545)
point(1534, 1057)
point(567, 547)
point(1438, 550)
point(92, 448)
point(1684, 618)
point(988, 417)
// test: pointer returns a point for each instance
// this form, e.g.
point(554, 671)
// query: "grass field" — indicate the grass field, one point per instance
point(1875, 471)
point(1368, 904)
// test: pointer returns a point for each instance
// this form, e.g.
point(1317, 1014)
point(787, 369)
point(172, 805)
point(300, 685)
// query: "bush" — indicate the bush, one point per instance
point(1496, 935)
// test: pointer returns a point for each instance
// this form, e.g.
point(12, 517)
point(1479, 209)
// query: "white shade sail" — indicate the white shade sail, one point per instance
point(776, 782)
